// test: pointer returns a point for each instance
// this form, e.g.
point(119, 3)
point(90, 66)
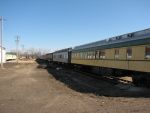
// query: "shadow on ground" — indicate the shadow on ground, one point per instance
point(85, 84)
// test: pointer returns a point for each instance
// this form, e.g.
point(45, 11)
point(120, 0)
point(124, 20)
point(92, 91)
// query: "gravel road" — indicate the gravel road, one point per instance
point(26, 88)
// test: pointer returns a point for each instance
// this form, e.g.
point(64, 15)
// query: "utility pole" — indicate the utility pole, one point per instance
point(1, 19)
point(17, 45)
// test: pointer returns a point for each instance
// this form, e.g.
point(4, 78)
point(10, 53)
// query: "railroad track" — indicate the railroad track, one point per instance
point(111, 79)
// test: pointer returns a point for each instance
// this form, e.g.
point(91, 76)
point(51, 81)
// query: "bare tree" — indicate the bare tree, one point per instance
point(31, 53)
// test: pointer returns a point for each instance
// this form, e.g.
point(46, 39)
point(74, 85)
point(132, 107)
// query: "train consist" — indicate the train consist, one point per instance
point(125, 54)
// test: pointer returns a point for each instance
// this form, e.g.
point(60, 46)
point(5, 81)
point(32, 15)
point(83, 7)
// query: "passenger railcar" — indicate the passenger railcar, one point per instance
point(124, 54)
point(129, 53)
point(62, 56)
point(47, 57)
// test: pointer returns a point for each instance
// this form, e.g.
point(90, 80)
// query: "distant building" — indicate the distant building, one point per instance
point(3, 55)
point(11, 56)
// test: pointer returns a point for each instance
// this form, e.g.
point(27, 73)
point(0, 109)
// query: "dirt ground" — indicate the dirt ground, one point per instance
point(27, 88)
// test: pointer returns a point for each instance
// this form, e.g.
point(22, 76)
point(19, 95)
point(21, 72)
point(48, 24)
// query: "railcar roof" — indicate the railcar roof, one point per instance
point(63, 50)
point(143, 34)
point(48, 53)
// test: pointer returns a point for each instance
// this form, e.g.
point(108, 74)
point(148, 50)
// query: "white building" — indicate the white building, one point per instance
point(11, 56)
point(3, 55)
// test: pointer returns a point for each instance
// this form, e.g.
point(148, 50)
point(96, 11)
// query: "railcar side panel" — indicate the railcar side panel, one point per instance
point(136, 61)
point(61, 57)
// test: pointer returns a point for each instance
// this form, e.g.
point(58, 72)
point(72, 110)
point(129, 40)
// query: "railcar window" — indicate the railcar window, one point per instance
point(147, 52)
point(84, 55)
point(88, 55)
point(54, 56)
point(65, 56)
point(93, 55)
point(129, 53)
point(60, 56)
point(97, 54)
point(81, 56)
point(102, 54)
point(77, 55)
point(74, 55)
point(116, 53)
